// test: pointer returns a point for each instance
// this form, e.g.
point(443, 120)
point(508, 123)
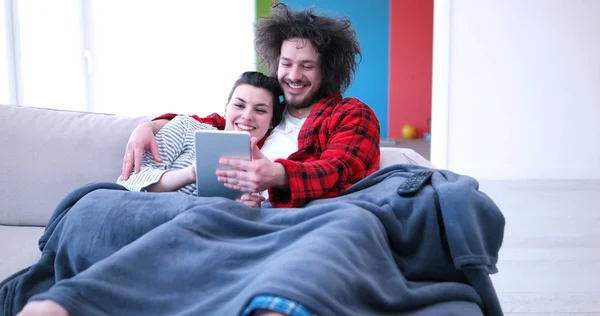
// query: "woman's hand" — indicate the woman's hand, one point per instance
point(174, 179)
point(251, 199)
point(191, 172)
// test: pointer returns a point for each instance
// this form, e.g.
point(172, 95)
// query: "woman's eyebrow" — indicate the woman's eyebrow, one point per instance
point(244, 101)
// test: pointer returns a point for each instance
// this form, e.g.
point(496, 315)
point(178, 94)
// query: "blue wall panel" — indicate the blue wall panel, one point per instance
point(371, 22)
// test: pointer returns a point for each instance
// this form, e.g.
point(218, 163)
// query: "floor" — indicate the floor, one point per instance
point(549, 263)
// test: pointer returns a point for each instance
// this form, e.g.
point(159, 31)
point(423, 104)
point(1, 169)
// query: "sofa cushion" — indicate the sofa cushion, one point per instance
point(47, 153)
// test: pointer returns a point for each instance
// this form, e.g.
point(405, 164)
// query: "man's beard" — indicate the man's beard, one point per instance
point(306, 102)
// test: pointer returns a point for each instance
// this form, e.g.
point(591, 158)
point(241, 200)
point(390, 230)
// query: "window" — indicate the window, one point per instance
point(177, 56)
point(133, 57)
point(50, 54)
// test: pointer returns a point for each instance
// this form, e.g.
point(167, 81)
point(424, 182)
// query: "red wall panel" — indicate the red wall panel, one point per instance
point(411, 45)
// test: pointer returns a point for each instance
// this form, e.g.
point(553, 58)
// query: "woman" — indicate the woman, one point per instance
point(252, 106)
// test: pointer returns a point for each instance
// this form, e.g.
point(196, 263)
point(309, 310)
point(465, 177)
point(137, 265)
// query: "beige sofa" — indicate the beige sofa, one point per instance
point(44, 154)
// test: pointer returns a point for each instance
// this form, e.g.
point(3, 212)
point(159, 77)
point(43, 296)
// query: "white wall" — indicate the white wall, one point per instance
point(523, 88)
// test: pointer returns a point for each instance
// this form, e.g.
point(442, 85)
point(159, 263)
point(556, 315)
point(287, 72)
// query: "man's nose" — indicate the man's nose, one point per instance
point(295, 74)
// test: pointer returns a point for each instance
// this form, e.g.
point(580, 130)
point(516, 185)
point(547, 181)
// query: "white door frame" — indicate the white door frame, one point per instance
point(440, 84)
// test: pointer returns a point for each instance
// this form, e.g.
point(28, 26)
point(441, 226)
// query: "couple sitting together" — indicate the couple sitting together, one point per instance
point(253, 106)
point(314, 145)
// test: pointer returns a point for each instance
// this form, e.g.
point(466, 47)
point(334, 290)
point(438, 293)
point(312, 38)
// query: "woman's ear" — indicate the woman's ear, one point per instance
point(225, 115)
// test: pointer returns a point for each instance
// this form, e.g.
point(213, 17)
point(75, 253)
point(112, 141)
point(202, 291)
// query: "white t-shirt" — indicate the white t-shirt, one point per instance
point(283, 140)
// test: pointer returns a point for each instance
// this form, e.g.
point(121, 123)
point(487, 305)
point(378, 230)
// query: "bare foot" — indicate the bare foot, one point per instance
point(46, 308)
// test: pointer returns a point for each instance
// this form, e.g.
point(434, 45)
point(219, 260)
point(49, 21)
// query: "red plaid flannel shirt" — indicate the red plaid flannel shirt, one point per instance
point(338, 145)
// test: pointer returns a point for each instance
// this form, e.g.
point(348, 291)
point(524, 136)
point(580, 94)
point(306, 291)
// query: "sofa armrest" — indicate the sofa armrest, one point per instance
point(394, 155)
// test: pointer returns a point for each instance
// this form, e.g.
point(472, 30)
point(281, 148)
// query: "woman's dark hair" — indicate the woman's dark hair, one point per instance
point(259, 80)
point(333, 38)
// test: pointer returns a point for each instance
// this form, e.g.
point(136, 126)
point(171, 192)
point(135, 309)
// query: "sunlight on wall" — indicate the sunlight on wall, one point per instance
point(177, 56)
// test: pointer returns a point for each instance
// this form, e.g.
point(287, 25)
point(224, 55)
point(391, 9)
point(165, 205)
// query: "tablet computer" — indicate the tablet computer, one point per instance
point(210, 146)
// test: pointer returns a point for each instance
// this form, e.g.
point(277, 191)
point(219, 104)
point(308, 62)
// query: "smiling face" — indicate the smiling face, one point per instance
point(250, 109)
point(299, 73)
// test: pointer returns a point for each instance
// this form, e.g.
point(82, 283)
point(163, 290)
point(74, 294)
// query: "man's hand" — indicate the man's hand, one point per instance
point(251, 199)
point(252, 176)
point(142, 138)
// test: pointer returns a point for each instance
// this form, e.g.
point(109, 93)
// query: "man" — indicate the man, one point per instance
point(330, 143)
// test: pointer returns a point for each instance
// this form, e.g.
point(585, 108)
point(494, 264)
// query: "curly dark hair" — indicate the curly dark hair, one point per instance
point(259, 80)
point(333, 38)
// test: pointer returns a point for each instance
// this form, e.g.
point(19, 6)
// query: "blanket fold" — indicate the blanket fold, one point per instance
point(369, 252)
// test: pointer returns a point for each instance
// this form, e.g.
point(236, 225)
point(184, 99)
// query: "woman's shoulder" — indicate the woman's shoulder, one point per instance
point(191, 123)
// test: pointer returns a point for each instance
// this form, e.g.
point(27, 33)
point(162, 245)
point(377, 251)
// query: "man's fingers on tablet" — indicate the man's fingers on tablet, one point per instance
point(227, 180)
point(238, 188)
point(232, 186)
point(238, 180)
point(235, 181)
point(238, 163)
point(229, 174)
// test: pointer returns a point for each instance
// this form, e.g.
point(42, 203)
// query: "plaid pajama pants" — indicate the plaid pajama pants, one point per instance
point(277, 304)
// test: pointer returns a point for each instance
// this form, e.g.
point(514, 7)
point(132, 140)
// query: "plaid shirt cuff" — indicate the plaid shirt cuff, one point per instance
point(277, 304)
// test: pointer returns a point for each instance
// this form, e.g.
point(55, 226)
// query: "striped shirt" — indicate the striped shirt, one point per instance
point(176, 147)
